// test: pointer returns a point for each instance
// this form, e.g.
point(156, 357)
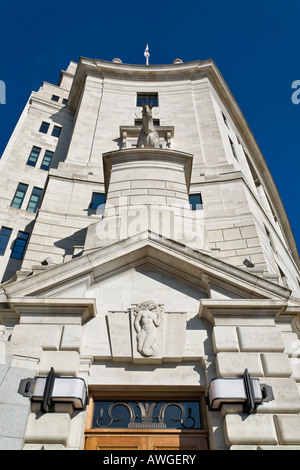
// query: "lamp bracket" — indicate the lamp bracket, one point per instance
point(26, 387)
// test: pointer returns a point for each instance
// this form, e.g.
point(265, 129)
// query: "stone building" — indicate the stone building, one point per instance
point(145, 253)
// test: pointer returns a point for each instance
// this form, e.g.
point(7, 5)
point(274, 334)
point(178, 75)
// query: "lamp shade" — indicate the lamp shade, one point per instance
point(223, 391)
point(65, 389)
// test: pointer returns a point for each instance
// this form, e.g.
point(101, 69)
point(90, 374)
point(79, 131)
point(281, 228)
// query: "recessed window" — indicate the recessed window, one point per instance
point(55, 98)
point(98, 199)
point(5, 234)
point(34, 155)
point(147, 98)
point(34, 199)
point(19, 196)
point(139, 122)
point(233, 148)
point(47, 160)
point(56, 131)
point(195, 201)
point(20, 245)
point(64, 101)
point(44, 127)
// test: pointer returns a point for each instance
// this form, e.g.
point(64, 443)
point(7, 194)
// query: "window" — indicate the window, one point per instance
point(34, 155)
point(147, 98)
point(65, 101)
point(47, 160)
point(19, 196)
point(55, 98)
point(139, 122)
point(97, 200)
point(195, 201)
point(34, 200)
point(5, 234)
point(44, 127)
point(56, 131)
point(233, 148)
point(20, 245)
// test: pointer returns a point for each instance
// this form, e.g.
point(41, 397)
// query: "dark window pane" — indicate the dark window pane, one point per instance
point(5, 234)
point(64, 101)
point(19, 246)
point(44, 127)
point(55, 98)
point(56, 131)
point(34, 200)
point(147, 98)
point(34, 155)
point(19, 196)
point(97, 200)
point(47, 160)
point(195, 201)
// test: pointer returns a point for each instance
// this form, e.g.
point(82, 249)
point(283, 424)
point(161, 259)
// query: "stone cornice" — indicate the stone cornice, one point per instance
point(53, 310)
point(214, 310)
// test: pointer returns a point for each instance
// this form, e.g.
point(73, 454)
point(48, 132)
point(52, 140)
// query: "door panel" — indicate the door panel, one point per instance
point(116, 442)
point(155, 441)
point(177, 442)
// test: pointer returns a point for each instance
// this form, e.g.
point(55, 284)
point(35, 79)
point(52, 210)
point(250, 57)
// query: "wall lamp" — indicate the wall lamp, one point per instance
point(245, 391)
point(55, 389)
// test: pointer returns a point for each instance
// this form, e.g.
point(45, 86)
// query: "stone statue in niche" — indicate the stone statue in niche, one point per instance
point(148, 136)
point(148, 317)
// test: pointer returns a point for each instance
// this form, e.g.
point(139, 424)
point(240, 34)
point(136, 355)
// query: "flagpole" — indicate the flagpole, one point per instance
point(147, 54)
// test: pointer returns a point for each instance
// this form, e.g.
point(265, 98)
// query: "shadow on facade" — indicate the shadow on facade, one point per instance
point(15, 265)
point(71, 244)
point(62, 118)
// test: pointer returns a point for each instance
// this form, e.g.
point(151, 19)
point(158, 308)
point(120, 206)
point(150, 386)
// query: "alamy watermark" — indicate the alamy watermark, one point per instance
point(124, 220)
point(296, 93)
point(2, 92)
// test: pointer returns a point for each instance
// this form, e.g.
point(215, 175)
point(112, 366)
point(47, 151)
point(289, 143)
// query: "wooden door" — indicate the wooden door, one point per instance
point(147, 441)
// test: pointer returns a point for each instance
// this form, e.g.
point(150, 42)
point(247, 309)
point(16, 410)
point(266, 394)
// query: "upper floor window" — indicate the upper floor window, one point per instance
point(98, 199)
point(55, 98)
point(147, 98)
point(34, 155)
point(56, 131)
point(44, 127)
point(139, 122)
point(34, 199)
point(47, 160)
point(5, 234)
point(19, 196)
point(64, 101)
point(20, 245)
point(195, 201)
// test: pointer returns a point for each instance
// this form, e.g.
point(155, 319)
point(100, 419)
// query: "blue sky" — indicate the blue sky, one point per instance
point(255, 44)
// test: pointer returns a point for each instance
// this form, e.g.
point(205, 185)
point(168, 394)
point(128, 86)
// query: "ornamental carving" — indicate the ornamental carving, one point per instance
point(148, 318)
point(147, 415)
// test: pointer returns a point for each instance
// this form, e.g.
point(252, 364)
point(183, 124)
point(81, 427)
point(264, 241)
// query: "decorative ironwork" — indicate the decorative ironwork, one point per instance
point(147, 415)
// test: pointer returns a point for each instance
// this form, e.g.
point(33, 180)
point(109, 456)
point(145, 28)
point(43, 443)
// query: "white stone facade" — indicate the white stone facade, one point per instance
point(223, 280)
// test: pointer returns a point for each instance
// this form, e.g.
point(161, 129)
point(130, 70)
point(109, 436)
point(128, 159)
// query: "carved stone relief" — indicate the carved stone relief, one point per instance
point(148, 318)
point(146, 333)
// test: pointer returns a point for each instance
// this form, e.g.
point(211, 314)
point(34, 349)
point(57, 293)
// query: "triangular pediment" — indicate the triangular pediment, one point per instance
point(174, 265)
